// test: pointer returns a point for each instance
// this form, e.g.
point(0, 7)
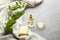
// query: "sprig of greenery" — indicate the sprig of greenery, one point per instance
point(16, 6)
point(8, 29)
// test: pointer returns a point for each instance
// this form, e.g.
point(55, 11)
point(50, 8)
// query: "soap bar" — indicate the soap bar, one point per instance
point(23, 31)
point(40, 25)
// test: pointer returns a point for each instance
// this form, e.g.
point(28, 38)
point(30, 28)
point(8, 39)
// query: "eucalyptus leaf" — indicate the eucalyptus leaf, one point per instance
point(8, 29)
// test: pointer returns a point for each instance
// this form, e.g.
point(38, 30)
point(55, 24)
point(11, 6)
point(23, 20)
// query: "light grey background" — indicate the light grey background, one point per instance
point(49, 13)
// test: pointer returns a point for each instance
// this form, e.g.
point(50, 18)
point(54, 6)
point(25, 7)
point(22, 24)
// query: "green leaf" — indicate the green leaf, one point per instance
point(13, 7)
point(10, 22)
point(16, 6)
point(17, 15)
point(8, 30)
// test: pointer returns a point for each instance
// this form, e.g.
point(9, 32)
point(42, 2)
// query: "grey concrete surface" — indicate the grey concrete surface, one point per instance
point(49, 13)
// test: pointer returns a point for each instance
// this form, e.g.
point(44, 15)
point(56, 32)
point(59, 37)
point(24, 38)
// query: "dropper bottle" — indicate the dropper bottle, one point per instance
point(30, 21)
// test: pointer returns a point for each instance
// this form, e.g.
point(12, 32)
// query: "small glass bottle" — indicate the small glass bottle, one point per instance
point(30, 21)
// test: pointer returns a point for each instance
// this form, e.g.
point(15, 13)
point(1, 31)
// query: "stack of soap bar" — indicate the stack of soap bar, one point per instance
point(40, 25)
point(23, 31)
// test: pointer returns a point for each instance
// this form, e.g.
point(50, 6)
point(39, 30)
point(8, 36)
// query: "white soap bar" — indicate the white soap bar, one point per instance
point(23, 30)
point(40, 25)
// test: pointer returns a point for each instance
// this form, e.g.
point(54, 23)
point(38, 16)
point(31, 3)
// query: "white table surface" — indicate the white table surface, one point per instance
point(49, 13)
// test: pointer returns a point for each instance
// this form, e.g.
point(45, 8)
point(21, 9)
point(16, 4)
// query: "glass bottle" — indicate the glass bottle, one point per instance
point(30, 21)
